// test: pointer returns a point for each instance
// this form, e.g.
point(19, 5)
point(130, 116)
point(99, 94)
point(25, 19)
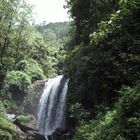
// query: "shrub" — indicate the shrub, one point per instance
point(32, 69)
point(78, 112)
point(102, 128)
point(2, 109)
point(18, 79)
point(6, 124)
point(129, 110)
point(17, 83)
point(8, 130)
point(120, 123)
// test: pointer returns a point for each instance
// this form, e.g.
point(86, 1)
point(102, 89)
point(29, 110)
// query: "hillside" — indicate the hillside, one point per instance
point(61, 29)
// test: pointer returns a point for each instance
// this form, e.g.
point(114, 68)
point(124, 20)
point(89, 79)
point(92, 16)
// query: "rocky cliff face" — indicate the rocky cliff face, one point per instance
point(32, 100)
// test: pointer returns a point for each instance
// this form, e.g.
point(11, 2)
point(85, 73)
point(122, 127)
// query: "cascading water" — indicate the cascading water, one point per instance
point(51, 110)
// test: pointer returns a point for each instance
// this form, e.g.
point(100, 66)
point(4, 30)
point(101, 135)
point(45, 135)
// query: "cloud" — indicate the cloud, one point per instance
point(50, 10)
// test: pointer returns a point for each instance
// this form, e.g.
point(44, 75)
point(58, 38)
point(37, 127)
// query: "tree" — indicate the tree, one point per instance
point(87, 14)
point(14, 31)
point(49, 35)
point(99, 67)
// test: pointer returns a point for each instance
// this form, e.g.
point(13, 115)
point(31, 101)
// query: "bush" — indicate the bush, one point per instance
point(102, 128)
point(2, 109)
point(17, 83)
point(6, 124)
point(8, 130)
point(129, 110)
point(18, 79)
point(3, 95)
point(120, 123)
point(78, 112)
point(32, 69)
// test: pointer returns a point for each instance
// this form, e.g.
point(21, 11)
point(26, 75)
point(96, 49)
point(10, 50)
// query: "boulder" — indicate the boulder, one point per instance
point(26, 123)
point(60, 134)
point(22, 135)
point(34, 135)
point(59, 131)
point(11, 116)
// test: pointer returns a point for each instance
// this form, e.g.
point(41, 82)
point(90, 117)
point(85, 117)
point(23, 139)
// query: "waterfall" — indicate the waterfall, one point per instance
point(51, 110)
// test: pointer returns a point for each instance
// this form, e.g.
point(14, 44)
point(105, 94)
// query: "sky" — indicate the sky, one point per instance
point(49, 10)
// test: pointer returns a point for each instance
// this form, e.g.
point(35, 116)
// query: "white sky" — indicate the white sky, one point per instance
point(49, 10)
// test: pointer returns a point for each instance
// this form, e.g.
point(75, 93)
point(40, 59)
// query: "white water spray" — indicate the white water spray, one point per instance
point(51, 110)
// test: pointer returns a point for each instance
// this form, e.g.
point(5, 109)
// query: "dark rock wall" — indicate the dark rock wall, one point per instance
point(32, 100)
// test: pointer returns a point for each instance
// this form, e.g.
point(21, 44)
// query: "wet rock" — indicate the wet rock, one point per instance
point(71, 122)
point(34, 135)
point(59, 131)
point(60, 134)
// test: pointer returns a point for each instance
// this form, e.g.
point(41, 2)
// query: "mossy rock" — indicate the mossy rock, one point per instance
point(24, 119)
point(8, 131)
point(26, 123)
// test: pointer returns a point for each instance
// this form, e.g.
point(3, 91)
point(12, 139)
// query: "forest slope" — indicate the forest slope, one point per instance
point(103, 66)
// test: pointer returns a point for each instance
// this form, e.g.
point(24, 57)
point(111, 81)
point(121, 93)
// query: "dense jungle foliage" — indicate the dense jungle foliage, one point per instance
point(103, 64)
point(28, 52)
point(99, 51)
